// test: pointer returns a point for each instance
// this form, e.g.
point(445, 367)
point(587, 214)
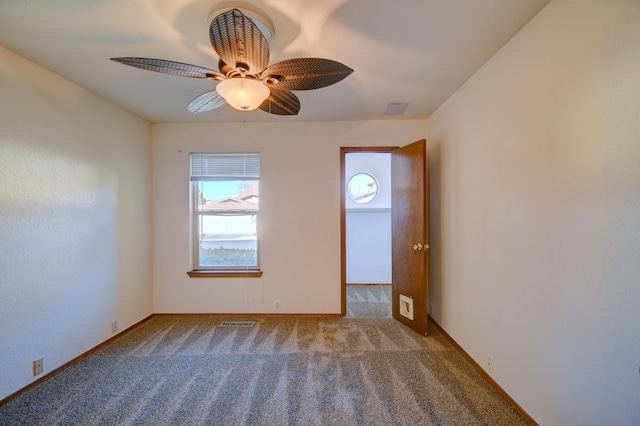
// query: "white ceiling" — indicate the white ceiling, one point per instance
point(415, 51)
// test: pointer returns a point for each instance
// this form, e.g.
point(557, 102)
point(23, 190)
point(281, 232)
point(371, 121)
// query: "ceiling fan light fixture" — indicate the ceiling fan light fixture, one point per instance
point(244, 94)
point(245, 79)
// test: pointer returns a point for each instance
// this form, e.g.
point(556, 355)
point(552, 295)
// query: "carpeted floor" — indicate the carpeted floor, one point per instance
point(369, 301)
point(187, 370)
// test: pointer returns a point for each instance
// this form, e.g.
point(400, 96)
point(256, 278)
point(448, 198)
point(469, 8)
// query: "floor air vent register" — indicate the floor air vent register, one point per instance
point(237, 323)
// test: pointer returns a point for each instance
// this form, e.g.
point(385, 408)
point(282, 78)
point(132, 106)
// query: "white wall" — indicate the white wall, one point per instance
point(368, 235)
point(368, 226)
point(74, 220)
point(535, 171)
point(299, 212)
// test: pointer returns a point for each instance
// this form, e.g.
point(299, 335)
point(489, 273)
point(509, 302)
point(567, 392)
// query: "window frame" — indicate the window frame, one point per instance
point(201, 271)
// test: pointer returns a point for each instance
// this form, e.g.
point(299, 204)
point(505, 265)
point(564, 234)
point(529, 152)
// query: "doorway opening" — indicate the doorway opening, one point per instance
point(366, 231)
point(409, 229)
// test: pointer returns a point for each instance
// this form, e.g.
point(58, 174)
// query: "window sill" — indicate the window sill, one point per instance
point(252, 273)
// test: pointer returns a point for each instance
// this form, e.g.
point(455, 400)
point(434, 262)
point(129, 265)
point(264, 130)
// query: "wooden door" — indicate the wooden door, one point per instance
point(410, 235)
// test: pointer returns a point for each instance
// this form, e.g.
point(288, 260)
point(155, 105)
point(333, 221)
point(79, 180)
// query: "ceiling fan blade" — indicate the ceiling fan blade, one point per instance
point(170, 67)
point(238, 42)
point(305, 73)
point(281, 102)
point(206, 102)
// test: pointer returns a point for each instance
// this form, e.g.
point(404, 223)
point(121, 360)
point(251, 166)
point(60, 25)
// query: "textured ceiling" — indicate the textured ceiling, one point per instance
point(415, 51)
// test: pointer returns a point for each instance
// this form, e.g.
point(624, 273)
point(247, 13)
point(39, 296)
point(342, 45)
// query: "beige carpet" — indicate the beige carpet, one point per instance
point(369, 301)
point(187, 370)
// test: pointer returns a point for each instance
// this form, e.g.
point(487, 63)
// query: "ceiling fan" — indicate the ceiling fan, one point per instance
point(245, 81)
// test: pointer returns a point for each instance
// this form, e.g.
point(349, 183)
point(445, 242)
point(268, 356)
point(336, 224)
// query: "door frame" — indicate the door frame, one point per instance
point(343, 215)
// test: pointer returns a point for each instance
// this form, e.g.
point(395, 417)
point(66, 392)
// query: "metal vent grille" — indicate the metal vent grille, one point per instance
point(396, 108)
point(237, 323)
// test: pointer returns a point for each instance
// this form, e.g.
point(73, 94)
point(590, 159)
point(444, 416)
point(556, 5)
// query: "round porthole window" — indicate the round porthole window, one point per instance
point(362, 187)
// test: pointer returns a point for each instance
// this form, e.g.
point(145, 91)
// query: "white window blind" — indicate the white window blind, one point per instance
point(224, 166)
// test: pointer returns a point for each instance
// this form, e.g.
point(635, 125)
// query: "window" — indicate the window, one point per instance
point(225, 205)
point(362, 187)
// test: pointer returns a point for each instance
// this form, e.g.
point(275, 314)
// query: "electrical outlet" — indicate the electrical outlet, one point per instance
point(431, 309)
point(276, 304)
point(114, 325)
point(490, 364)
point(38, 366)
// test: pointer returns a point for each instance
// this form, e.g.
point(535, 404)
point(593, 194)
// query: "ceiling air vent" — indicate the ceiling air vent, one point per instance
point(396, 108)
